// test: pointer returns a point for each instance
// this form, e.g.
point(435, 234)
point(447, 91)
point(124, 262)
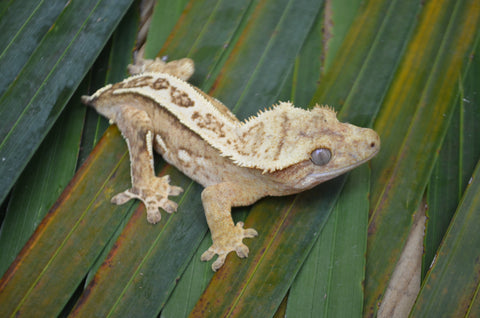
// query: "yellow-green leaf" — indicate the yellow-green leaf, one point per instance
point(418, 107)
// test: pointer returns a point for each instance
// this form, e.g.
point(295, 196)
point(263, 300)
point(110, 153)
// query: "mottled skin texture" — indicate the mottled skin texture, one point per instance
point(281, 151)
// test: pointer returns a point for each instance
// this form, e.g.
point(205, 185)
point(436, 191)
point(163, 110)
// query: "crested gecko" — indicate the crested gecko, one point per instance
point(281, 151)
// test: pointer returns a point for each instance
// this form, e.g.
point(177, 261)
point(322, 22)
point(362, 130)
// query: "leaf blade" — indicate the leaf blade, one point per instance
point(451, 287)
point(395, 190)
point(383, 26)
point(48, 80)
point(334, 270)
point(51, 259)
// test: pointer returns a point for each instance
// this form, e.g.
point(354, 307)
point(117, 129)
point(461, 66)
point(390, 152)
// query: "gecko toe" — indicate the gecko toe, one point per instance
point(153, 216)
point(122, 197)
point(249, 233)
point(242, 250)
point(207, 255)
point(169, 206)
point(174, 190)
point(219, 262)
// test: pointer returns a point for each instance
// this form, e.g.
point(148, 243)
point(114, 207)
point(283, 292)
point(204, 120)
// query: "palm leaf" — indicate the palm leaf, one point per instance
point(356, 81)
point(45, 80)
point(66, 146)
point(451, 288)
point(453, 282)
point(435, 74)
point(399, 58)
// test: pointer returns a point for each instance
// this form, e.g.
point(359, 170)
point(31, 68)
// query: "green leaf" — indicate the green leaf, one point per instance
point(23, 25)
point(304, 75)
point(191, 285)
point(443, 193)
point(56, 160)
point(41, 183)
point(116, 58)
point(339, 15)
point(333, 273)
point(362, 100)
point(69, 239)
point(355, 81)
point(208, 36)
point(265, 58)
point(139, 273)
point(420, 113)
point(451, 175)
point(54, 70)
point(275, 255)
point(164, 18)
point(451, 286)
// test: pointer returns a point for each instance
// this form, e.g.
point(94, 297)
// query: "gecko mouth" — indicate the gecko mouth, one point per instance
point(313, 179)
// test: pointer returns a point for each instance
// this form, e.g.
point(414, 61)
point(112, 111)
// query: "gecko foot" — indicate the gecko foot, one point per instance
point(154, 195)
point(229, 241)
point(182, 68)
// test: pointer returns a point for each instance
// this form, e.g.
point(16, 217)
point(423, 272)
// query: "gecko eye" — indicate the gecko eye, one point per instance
point(320, 156)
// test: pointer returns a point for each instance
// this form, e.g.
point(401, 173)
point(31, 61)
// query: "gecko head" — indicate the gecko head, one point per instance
point(332, 148)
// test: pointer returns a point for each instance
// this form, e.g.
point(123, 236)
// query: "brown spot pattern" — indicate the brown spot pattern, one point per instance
point(252, 139)
point(160, 83)
point(283, 134)
point(142, 81)
point(137, 82)
point(209, 122)
point(180, 98)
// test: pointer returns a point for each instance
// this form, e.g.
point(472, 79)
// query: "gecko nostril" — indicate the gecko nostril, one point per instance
point(372, 144)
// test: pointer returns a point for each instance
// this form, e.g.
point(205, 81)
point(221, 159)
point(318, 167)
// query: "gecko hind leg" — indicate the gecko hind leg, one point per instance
point(153, 191)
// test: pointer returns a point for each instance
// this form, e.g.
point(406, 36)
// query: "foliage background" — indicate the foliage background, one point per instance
point(409, 68)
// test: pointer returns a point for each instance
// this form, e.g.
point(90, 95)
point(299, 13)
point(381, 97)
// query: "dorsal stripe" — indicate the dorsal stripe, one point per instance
point(254, 143)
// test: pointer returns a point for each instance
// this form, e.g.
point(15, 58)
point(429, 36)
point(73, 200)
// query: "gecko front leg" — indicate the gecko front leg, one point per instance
point(227, 237)
point(137, 128)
